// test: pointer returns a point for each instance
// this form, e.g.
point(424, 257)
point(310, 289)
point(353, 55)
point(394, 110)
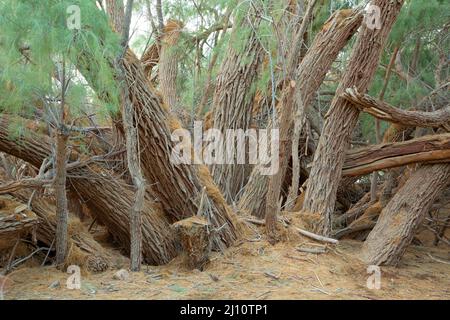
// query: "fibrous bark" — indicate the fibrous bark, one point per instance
point(176, 186)
point(403, 214)
point(83, 249)
point(432, 148)
point(342, 118)
point(285, 120)
point(233, 98)
point(168, 63)
point(312, 70)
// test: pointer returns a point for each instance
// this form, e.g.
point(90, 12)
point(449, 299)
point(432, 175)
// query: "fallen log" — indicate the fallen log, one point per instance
point(15, 218)
point(108, 197)
point(432, 148)
point(83, 250)
point(22, 184)
point(401, 217)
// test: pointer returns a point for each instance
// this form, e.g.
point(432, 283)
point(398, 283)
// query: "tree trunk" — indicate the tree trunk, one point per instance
point(116, 13)
point(61, 197)
point(232, 101)
point(177, 186)
point(168, 64)
point(84, 250)
point(403, 214)
point(342, 117)
point(312, 70)
point(285, 121)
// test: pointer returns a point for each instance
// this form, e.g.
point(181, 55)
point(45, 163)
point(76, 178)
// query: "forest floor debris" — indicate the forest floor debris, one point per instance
point(338, 274)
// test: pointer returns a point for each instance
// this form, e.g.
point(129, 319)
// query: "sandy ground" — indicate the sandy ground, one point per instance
point(253, 270)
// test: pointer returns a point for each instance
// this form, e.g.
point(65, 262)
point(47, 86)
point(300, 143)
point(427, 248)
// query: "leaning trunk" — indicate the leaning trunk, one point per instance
point(312, 70)
point(403, 214)
point(342, 118)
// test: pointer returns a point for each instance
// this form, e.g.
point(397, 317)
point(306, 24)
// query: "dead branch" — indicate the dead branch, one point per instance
point(385, 111)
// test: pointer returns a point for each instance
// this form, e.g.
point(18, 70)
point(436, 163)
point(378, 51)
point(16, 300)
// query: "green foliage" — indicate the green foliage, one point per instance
point(35, 39)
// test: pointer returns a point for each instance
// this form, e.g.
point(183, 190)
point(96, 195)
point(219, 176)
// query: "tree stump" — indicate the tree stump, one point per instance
point(195, 237)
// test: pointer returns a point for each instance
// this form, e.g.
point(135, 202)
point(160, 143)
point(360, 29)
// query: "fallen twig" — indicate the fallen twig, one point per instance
point(312, 250)
point(316, 236)
point(438, 260)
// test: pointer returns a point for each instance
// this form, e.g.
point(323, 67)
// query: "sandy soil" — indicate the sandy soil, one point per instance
point(254, 270)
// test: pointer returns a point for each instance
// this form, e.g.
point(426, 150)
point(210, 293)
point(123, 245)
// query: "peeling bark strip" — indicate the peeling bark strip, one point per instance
point(385, 111)
point(233, 100)
point(342, 117)
point(323, 51)
point(388, 155)
point(399, 220)
point(108, 197)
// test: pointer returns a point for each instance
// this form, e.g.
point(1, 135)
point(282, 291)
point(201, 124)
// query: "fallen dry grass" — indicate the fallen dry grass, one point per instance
point(254, 270)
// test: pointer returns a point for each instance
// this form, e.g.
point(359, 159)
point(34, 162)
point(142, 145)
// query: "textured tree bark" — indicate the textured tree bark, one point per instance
point(60, 158)
point(433, 148)
point(311, 72)
point(150, 59)
point(342, 117)
point(233, 99)
point(399, 220)
point(61, 197)
point(116, 13)
point(12, 224)
point(85, 251)
point(133, 155)
point(108, 197)
point(288, 107)
point(384, 111)
point(177, 186)
point(168, 63)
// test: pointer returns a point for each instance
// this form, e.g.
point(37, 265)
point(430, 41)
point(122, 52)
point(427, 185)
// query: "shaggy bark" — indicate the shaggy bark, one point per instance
point(342, 117)
point(176, 186)
point(287, 106)
point(232, 101)
point(83, 249)
point(312, 70)
point(168, 63)
point(116, 13)
point(12, 224)
point(399, 220)
point(150, 59)
point(61, 197)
